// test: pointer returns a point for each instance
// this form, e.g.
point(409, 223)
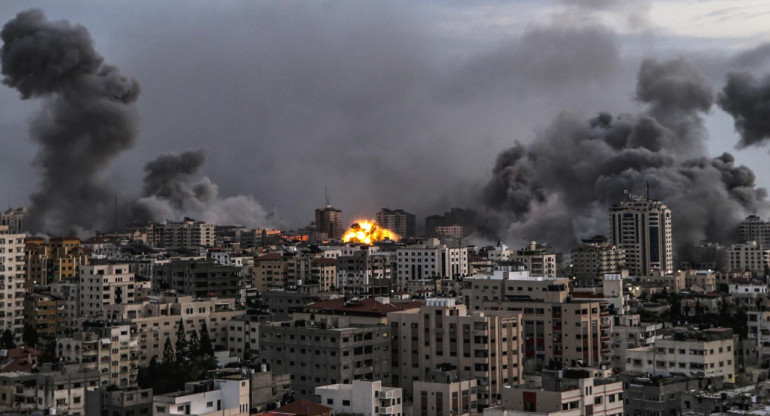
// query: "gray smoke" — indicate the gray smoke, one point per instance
point(559, 187)
point(747, 99)
point(170, 194)
point(85, 120)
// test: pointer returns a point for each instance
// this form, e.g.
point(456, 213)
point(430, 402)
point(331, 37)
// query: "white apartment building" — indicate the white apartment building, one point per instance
point(709, 353)
point(102, 285)
point(569, 392)
point(747, 289)
point(430, 260)
point(748, 257)
point(366, 398)
point(206, 398)
point(11, 281)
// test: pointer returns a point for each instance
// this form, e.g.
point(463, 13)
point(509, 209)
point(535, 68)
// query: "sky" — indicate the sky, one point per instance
point(395, 104)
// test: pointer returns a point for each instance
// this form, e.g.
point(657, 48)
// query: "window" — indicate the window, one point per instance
point(346, 402)
point(330, 401)
point(611, 398)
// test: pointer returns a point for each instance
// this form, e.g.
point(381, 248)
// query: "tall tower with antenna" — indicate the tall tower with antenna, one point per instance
point(329, 219)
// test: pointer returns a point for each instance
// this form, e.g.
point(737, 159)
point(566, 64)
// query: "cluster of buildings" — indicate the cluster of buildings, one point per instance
point(302, 323)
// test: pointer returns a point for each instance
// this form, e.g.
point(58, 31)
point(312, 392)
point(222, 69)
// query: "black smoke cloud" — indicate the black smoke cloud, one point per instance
point(85, 121)
point(170, 194)
point(747, 99)
point(559, 187)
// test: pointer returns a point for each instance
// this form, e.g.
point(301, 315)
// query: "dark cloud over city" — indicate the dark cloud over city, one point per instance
point(395, 105)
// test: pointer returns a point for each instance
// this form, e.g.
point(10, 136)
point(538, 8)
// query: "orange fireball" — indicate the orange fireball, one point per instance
point(367, 232)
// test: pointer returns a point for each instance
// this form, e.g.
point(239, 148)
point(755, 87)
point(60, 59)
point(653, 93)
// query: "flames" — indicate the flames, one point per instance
point(367, 232)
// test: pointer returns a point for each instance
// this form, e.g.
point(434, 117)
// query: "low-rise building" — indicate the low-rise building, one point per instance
point(60, 387)
point(206, 398)
point(118, 402)
point(367, 398)
point(708, 353)
point(444, 392)
point(562, 392)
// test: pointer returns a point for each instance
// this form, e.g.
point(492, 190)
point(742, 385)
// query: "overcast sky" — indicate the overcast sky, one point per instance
point(396, 104)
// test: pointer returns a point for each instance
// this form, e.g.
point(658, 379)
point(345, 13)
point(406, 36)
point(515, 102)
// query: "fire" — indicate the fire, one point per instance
point(367, 232)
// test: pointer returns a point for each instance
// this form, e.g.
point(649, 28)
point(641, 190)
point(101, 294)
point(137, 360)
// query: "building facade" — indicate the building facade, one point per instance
point(642, 228)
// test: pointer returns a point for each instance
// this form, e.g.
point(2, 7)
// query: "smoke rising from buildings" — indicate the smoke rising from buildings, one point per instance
point(85, 121)
point(558, 187)
point(747, 99)
point(169, 194)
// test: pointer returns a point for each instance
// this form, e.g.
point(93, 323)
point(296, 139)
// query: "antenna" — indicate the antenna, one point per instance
point(326, 193)
point(647, 189)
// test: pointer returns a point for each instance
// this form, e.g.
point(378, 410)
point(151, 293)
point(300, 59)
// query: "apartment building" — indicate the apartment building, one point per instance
point(61, 387)
point(357, 273)
point(485, 346)
point(538, 260)
point(556, 329)
point(750, 256)
point(318, 354)
point(444, 392)
point(569, 392)
point(57, 260)
point(708, 352)
point(112, 350)
point(362, 397)
point(399, 221)
point(123, 402)
point(629, 332)
point(269, 272)
point(11, 281)
point(187, 234)
point(158, 318)
point(329, 220)
point(13, 218)
point(199, 278)
point(754, 228)
point(47, 314)
point(430, 260)
point(206, 398)
point(595, 258)
point(104, 284)
point(642, 228)
point(323, 272)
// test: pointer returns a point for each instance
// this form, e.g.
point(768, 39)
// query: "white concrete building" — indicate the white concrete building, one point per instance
point(430, 260)
point(746, 289)
point(11, 281)
point(228, 397)
point(710, 353)
point(569, 392)
point(367, 398)
point(102, 285)
point(630, 332)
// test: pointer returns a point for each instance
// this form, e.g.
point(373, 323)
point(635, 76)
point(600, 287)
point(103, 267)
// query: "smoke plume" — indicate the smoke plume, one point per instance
point(85, 120)
point(170, 195)
point(559, 187)
point(747, 99)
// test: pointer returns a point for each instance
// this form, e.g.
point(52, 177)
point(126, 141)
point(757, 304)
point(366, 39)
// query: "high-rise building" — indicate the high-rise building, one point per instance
point(756, 229)
point(642, 228)
point(14, 219)
point(329, 220)
point(11, 281)
point(399, 221)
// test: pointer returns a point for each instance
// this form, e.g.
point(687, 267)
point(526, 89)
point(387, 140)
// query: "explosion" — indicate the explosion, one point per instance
point(367, 232)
